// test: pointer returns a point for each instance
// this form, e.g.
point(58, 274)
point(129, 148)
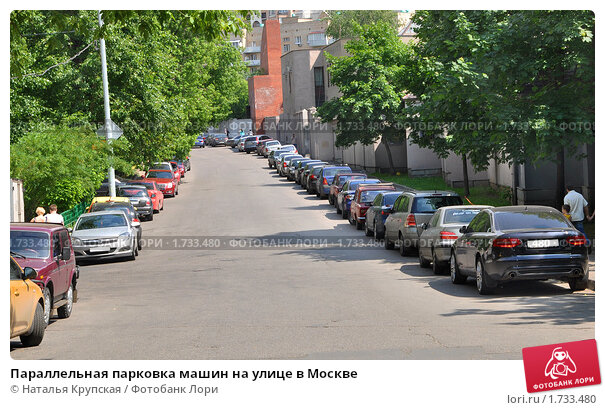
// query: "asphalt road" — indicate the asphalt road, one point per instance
point(290, 303)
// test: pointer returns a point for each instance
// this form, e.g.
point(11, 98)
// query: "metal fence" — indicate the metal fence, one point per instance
point(71, 216)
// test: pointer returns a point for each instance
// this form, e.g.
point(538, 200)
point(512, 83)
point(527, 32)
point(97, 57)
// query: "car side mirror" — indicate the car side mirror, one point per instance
point(70, 230)
point(66, 254)
point(464, 229)
point(29, 273)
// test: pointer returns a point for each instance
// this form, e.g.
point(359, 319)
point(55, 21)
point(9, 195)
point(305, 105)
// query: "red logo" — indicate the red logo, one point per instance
point(561, 366)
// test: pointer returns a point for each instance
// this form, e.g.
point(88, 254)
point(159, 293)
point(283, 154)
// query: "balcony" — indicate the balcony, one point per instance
point(251, 50)
point(252, 63)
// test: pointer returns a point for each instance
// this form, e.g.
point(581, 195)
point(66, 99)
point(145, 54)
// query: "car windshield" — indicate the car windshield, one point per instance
point(270, 143)
point(353, 184)
point(389, 199)
point(507, 221)
point(368, 196)
point(148, 185)
point(330, 172)
point(429, 204)
point(459, 216)
point(102, 206)
point(162, 166)
point(159, 174)
point(100, 221)
point(128, 192)
point(30, 244)
point(317, 170)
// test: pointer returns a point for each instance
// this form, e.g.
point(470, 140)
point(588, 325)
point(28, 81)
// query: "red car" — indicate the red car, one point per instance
point(178, 166)
point(166, 180)
point(339, 181)
point(155, 193)
point(46, 247)
point(364, 196)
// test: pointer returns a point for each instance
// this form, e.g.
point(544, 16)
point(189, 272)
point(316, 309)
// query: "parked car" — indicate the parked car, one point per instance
point(313, 176)
point(230, 139)
point(409, 211)
point(219, 139)
point(47, 248)
point(127, 208)
point(166, 181)
point(199, 142)
point(252, 142)
point(155, 193)
point(438, 235)
point(268, 146)
point(304, 178)
point(284, 148)
point(178, 169)
point(27, 304)
point(325, 178)
point(187, 163)
point(284, 163)
point(302, 167)
point(516, 243)
point(345, 196)
point(377, 213)
point(236, 141)
point(103, 190)
point(338, 181)
point(261, 145)
point(139, 198)
point(241, 142)
point(363, 199)
point(104, 234)
point(162, 165)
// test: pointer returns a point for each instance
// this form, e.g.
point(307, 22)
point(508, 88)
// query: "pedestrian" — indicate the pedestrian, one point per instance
point(241, 132)
point(53, 216)
point(565, 210)
point(226, 132)
point(40, 211)
point(578, 208)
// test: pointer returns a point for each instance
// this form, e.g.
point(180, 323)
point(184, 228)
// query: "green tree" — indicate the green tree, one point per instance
point(343, 23)
point(371, 101)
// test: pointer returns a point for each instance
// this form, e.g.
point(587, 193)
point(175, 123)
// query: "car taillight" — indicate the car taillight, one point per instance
point(578, 240)
point(325, 181)
point(135, 220)
point(447, 235)
point(411, 220)
point(506, 242)
point(312, 177)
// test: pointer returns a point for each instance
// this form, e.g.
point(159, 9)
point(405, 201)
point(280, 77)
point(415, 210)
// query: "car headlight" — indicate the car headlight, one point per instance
point(76, 241)
point(169, 185)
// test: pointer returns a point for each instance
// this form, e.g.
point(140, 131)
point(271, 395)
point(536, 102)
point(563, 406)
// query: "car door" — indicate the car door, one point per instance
point(21, 307)
point(402, 213)
point(67, 266)
point(466, 251)
point(371, 212)
point(429, 235)
point(58, 273)
point(390, 225)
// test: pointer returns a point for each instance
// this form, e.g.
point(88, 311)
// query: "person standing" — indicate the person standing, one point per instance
point(53, 216)
point(578, 208)
point(39, 215)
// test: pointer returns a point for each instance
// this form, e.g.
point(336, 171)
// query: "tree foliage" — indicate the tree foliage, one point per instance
point(367, 79)
point(343, 23)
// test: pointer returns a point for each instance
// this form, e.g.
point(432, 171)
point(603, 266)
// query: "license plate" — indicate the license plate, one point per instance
point(543, 243)
point(100, 249)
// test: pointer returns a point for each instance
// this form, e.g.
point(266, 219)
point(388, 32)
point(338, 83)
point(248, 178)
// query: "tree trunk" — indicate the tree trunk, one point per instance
point(560, 190)
point(467, 190)
point(389, 155)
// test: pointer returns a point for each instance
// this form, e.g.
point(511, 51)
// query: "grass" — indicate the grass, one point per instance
point(480, 195)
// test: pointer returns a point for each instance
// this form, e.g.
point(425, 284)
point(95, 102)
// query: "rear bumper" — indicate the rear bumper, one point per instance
point(532, 267)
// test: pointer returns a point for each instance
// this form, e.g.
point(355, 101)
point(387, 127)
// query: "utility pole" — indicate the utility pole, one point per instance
point(108, 122)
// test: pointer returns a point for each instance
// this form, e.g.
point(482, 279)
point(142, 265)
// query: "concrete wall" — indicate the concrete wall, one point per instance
point(422, 161)
point(452, 169)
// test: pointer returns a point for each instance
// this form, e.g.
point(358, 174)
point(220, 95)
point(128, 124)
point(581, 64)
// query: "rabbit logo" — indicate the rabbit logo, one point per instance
point(560, 364)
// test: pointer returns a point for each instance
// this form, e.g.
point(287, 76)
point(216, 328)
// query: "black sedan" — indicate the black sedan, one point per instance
point(515, 243)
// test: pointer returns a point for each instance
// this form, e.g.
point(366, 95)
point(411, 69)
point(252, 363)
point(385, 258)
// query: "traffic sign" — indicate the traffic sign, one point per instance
point(116, 132)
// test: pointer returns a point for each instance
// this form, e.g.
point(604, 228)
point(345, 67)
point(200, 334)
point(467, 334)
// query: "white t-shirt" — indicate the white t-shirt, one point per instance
point(576, 204)
point(55, 218)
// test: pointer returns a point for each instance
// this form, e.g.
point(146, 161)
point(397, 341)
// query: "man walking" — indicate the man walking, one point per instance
point(53, 216)
point(578, 208)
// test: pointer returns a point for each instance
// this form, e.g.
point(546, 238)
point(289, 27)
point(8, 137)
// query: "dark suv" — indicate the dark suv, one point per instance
point(46, 247)
point(410, 210)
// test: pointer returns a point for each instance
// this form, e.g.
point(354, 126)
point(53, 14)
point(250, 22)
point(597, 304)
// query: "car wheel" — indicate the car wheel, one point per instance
point(423, 262)
point(150, 217)
point(330, 200)
point(577, 284)
point(176, 192)
point(134, 252)
point(139, 244)
point(388, 244)
point(437, 267)
point(344, 214)
point(403, 250)
point(358, 224)
point(367, 230)
point(318, 195)
point(377, 235)
point(455, 274)
point(47, 304)
point(351, 220)
point(162, 207)
point(34, 338)
point(482, 286)
point(65, 311)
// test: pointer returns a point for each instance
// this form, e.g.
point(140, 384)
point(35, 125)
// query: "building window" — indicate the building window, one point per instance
point(320, 92)
point(286, 48)
point(286, 39)
point(316, 39)
point(298, 40)
point(254, 44)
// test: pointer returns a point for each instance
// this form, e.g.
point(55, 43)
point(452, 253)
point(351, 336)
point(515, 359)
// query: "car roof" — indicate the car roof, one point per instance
point(432, 193)
point(105, 212)
point(36, 226)
point(375, 187)
point(133, 185)
point(110, 199)
point(466, 207)
point(524, 208)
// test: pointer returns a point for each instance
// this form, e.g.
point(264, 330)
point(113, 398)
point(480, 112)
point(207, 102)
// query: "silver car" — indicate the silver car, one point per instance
point(104, 234)
point(438, 234)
